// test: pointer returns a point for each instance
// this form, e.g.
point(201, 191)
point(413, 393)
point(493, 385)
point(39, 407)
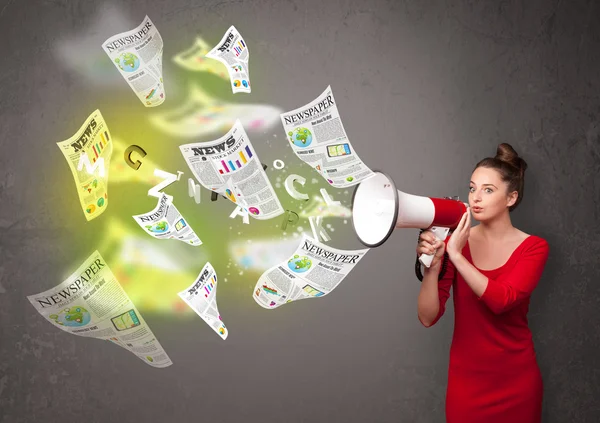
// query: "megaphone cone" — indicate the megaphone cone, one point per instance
point(378, 208)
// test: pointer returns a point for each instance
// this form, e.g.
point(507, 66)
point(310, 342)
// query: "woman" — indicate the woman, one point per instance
point(493, 268)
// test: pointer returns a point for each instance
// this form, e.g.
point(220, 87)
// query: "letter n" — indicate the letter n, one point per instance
point(194, 190)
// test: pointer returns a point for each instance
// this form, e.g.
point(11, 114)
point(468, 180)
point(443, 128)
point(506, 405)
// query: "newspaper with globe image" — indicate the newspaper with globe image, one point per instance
point(317, 136)
point(313, 271)
point(91, 145)
point(201, 296)
point(137, 54)
point(233, 52)
point(230, 166)
point(166, 222)
point(92, 303)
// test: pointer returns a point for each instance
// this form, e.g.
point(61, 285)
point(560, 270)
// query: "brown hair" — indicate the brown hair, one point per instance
point(511, 168)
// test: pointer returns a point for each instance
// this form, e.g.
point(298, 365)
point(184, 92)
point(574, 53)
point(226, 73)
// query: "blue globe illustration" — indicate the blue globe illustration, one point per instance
point(301, 137)
point(128, 62)
point(72, 316)
point(299, 264)
point(158, 227)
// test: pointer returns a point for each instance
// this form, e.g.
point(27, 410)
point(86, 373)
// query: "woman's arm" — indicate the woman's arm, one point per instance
point(428, 303)
point(473, 277)
point(506, 291)
point(434, 292)
point(477, 281)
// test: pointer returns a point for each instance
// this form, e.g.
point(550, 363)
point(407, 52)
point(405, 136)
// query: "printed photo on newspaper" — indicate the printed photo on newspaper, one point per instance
point(92, 303)
point(90, 146)
point(233, 52)
point(231, 167)
point(137, 54)
point(201, 296)
point(165, 222)
point(317, 136)
point(314, 270)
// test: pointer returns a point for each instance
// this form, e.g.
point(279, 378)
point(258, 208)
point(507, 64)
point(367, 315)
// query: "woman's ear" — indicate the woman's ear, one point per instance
point(512, 198)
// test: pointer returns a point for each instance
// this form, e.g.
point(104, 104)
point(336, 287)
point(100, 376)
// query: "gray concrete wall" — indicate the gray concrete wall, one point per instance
point(425, 89)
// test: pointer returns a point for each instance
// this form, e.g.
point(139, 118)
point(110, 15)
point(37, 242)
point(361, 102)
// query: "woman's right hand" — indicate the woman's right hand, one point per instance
point(428, 244)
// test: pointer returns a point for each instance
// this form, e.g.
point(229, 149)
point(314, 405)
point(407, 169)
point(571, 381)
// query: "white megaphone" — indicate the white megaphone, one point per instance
point(378, 208)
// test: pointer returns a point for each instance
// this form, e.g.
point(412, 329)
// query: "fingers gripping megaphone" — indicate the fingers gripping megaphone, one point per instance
point(378, 208)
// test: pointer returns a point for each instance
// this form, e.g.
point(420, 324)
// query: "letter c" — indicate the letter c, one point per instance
point(289, 186)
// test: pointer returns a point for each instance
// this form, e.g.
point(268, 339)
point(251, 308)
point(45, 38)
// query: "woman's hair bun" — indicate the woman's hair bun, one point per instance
point(507, 154)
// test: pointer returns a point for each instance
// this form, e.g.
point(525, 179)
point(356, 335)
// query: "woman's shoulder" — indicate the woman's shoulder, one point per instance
point(530, 237)
point(535, 244)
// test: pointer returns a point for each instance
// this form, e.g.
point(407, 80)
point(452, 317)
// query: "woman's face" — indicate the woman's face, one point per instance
point(488, 194)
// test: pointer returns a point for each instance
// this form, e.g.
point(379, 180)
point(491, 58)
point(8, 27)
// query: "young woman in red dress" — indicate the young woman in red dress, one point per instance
point(492, 268)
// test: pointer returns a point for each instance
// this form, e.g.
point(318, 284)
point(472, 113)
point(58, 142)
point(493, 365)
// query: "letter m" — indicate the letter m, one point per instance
point(84, 160)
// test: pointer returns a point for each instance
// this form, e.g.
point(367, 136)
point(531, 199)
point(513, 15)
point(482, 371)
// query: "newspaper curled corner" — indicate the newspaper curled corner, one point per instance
point(137, 54)
point(314, 270)
point(233, 52)
point(231, 167)
point(165, 222)
point(92, 303)
point(317, 136)
point(201, 296)
point(93, 144)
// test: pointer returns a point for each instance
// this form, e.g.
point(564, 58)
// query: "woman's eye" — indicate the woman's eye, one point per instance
point(471, 189)
point(489, 190)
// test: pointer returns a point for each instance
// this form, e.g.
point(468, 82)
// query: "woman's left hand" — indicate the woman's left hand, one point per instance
point(459, 237)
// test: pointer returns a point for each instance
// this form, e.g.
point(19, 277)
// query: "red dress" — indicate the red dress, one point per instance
point(493, 375)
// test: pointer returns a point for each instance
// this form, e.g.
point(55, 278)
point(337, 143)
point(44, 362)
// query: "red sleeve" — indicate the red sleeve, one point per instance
point(508, 290)
point(444, 286)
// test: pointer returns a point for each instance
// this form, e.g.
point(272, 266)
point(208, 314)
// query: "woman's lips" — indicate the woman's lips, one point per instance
point(476, 209)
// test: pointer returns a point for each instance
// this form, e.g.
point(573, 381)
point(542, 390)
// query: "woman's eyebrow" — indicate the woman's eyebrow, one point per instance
point(483, 185)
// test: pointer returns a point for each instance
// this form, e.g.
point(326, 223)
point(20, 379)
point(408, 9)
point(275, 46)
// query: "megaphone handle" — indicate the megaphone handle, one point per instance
point(440, 234)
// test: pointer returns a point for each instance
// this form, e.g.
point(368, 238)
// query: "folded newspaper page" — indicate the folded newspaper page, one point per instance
point(231, 167)
point(165, 222)
point(318, 138)
point(93, 141)
point(314, 270)
point(194, 59)
point(201, 296)
point(233, 52)
point(137, 54)
point(92, 303)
